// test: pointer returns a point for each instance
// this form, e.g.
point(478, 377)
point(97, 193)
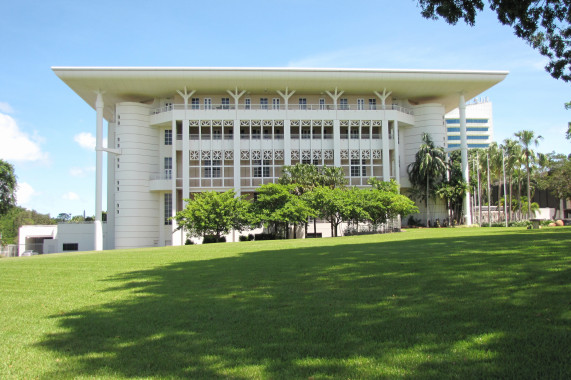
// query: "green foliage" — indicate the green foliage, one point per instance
point(427, 170)
point(386, 186)
point(214, 213)
point(8, 187)
point(545, 24)
point(18, 217)
point(208, 239)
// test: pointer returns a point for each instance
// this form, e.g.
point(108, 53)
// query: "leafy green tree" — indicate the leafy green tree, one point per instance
point(8, 187)
point(429, 164)
point(544, 24)
point(63, 217)
point(279, 205)
point(17, 217)
point(391, 186)
point(526, 139)
point(557, 177)
point(331, 205)
point(214, 213)
point(381, 205)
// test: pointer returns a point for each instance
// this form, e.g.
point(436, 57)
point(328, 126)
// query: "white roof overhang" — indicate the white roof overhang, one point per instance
point(143, 84)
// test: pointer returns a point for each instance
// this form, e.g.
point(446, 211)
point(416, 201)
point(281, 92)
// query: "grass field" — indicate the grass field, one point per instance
point(441, 303)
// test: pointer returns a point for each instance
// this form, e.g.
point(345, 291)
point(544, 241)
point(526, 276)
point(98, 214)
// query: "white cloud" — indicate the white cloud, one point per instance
point(6, 108)
point(24, 193)
point(81, 172)
point(70, 196)
point(85, 140)
point(16, 145)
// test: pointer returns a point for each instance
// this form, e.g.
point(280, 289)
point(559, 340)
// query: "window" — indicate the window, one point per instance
point(168, 136)
point(357, 170)
point(305, 133)
point(354, 133)
point(264, 103)
point(360, 104)
point(261, 168)
point(70, 247)
point(212, 168)
point(276, 103)
point(195, 103)
point(247, 103)
point(373, 104)
point(225, 103)
point(302, 103)
point(207, 103)
point(168, 209)
point(307, 161)
point(343, 104)
point(168, 167)
point(255, 134)
point(322, 104)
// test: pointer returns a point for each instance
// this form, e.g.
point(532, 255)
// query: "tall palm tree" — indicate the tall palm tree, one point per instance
point(514, 158)
point(526, 139)
point(429, 162)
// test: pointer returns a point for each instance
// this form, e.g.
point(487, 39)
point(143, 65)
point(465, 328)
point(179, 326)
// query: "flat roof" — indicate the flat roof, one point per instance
point(142, 84)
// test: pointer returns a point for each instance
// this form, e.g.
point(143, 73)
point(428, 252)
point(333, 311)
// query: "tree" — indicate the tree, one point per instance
point(8, 187)
point(526, 139)
point(17, 217)
point(330, 204)
point(544, 24)
point(62, 217)
point(429, 163)
point(279, 205)
point(214, 213)
point(557, 177)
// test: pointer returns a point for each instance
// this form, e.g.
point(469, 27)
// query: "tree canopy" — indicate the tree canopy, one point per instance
point(544, 24)
point(8, 187)
point(214, 213)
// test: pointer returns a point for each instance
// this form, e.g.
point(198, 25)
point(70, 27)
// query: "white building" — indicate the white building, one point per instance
point(479, 124)
point(176, 131)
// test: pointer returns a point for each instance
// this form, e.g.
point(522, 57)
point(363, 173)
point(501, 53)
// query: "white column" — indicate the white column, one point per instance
point(237, 139)
point(99, 173)
point(464, 151)
point(385, 142)
point(174, 225)
point(385, 135)
point(397, 152)
point(185, 146)
point(336, 128)
point(287, 141)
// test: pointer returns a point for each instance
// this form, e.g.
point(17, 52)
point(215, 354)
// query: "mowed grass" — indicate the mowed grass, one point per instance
point(442, 303)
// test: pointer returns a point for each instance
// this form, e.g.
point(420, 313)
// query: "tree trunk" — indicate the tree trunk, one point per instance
point(314, 227)
point(427, 211)
point(528, 189)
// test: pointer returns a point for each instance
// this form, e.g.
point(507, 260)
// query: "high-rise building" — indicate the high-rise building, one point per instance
point(479, 125)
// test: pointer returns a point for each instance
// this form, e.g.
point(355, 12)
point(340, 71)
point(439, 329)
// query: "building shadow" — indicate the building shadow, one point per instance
point(412, 309)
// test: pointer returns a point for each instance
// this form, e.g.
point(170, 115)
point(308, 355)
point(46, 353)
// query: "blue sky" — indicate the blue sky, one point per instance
point(47, 131)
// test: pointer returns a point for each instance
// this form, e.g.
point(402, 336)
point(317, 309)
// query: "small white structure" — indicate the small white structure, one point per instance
point(63, 237)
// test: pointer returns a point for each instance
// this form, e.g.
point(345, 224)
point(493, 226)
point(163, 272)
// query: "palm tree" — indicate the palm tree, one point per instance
point(514, 158)
point(429, 161)
point(526, 139)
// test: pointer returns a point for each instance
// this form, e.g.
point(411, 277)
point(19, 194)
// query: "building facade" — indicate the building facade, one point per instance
point(479, 125)
point(173, 132)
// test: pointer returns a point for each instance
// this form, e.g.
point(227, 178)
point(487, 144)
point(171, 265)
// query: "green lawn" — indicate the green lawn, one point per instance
point(443, 303)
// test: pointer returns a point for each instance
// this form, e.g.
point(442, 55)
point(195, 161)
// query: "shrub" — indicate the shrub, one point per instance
point(264, 236)
point(520, 223)
point(213, 239)
point(243, 238)
point(188, 242)
point(412, 222)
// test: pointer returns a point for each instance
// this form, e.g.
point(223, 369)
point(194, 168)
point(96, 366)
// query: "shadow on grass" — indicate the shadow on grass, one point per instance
point(472, 307)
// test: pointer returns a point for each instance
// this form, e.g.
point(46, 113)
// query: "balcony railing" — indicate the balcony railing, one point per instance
point(290, 107)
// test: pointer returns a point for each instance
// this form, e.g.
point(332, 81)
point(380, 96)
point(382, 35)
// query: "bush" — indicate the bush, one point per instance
point(412, 222)
point(243, 238)
point(188, 242)
point(213, 239)
point(520, 223)
point(264, 236)
point(250, 237)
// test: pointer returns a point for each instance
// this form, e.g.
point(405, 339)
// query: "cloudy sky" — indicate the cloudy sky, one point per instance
point(47, 131)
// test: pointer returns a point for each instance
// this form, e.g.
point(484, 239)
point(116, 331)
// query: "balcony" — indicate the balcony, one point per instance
point(161, 181)
point(280, 107)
